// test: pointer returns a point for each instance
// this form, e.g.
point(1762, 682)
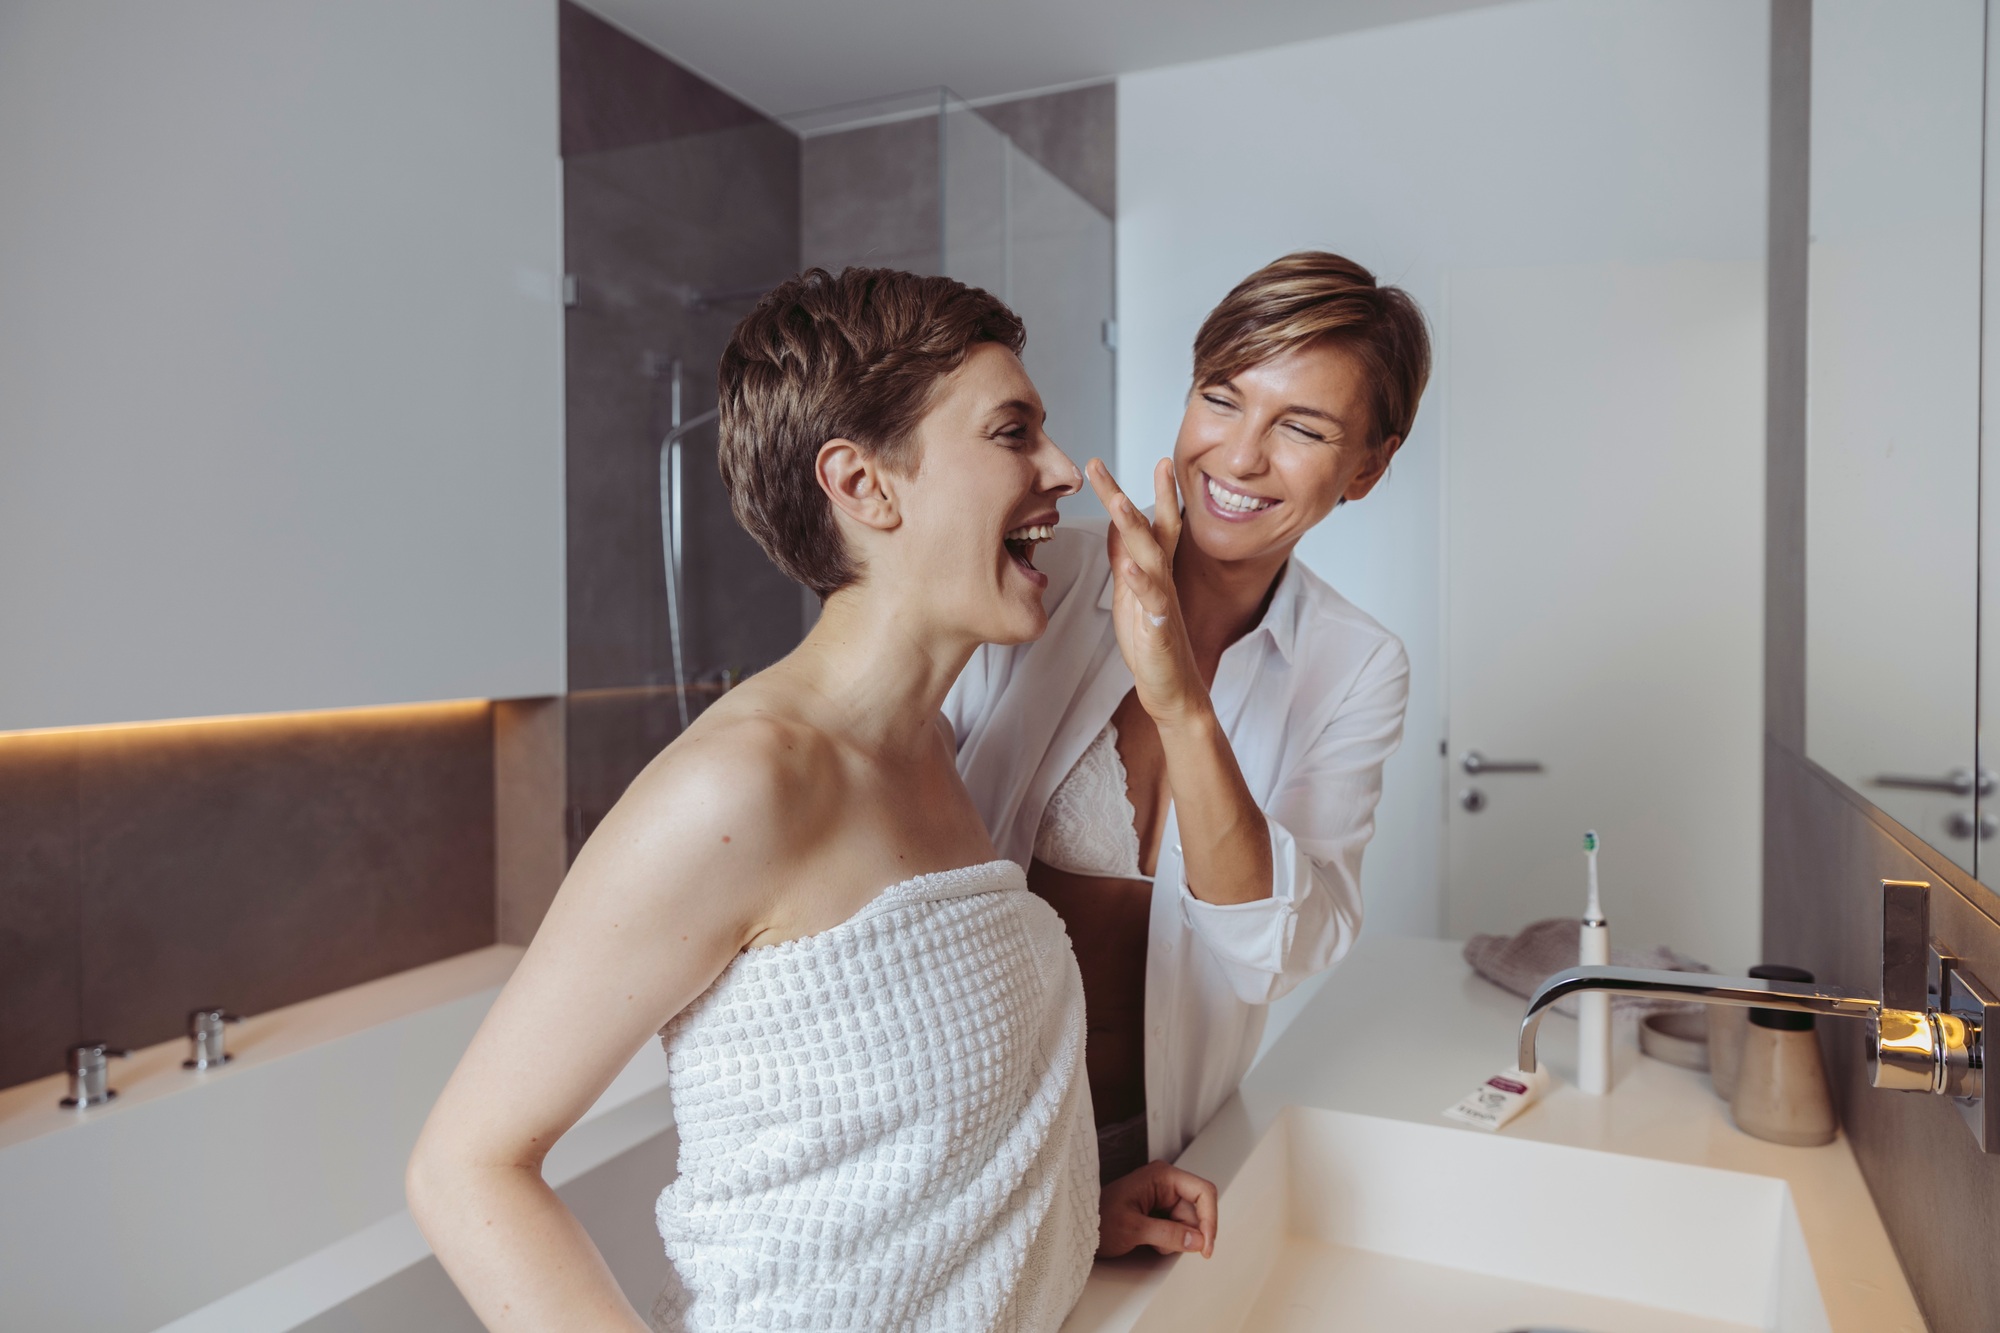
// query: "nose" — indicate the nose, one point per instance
point(1056, 472)
point(1243, 452)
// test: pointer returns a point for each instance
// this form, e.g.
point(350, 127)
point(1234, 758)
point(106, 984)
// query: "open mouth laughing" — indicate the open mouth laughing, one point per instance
point(1021, 543)
point(1231, 503)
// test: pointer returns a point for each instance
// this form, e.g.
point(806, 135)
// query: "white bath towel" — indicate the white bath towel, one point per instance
point(887, 1125)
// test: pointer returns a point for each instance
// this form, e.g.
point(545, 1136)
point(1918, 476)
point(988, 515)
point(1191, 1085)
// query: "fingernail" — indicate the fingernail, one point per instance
point(1192, 1241)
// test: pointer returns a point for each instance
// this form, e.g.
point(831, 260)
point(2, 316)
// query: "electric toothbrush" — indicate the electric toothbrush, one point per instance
point(1593, 1013)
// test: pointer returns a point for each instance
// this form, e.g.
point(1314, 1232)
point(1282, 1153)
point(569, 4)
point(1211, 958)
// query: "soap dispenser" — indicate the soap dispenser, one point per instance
point(1781, 1094)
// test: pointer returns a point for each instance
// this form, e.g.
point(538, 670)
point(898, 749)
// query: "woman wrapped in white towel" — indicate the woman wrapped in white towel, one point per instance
point(874, 1031)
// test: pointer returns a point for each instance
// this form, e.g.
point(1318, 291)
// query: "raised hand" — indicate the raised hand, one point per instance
point(1145, 610)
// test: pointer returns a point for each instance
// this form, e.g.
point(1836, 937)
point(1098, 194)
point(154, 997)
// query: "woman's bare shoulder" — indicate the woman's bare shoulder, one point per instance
point(744, 772)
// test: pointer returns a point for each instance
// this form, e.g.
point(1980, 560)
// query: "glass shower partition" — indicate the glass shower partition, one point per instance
point(923, 181)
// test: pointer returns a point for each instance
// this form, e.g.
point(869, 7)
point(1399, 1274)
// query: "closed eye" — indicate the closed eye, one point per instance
point(1304, 433)
point(1217, 400)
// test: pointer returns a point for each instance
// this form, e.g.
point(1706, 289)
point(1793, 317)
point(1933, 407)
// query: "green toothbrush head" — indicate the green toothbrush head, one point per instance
point(1590, 841)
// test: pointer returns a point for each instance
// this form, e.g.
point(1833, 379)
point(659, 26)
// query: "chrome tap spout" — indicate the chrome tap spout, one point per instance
point(1928, 1032)
point(1699, 987)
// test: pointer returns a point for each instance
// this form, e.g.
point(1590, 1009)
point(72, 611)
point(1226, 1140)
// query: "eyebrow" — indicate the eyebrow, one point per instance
point(1295, 410)
point(1022, 406)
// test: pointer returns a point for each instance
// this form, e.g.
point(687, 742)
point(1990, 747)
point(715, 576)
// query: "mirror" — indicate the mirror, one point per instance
point(1893, 408)
point(1989, 545)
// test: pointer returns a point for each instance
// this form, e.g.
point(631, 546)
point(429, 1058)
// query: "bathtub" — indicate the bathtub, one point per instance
point(268, 1195)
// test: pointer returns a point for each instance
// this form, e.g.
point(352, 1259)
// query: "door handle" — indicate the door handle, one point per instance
point(1959, 782)
point(1960, 824)
point(1476, 762)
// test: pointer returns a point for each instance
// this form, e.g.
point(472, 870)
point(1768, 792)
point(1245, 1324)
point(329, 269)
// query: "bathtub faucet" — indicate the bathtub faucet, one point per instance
point(89, 1074)
point(206, 1046)
point(1930, 1028)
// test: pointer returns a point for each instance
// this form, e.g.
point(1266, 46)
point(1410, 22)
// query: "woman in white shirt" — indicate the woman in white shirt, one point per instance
point(1189, 760)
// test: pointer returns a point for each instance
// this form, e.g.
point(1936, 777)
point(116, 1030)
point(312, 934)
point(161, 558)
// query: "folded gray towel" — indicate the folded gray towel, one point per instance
point(1520, 963)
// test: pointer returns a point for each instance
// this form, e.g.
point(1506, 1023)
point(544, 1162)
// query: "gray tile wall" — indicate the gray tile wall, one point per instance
point(41, 906)
point(618, 92)
point(1073, 133)
point(680, 203)
point(648, 230)
point(144, 871)
point(870, 196)
point(612, 734)
point(1826, 849)
point(530, 790)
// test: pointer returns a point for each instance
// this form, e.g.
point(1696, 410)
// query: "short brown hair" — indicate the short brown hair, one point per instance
point(1313, 297)
point(855, 357)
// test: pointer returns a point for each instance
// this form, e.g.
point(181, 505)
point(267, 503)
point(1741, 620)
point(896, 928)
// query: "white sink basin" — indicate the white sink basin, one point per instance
point(1342, 1223)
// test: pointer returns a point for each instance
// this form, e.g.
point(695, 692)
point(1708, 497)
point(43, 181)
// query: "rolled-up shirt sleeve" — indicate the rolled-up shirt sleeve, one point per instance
point(1320, 820)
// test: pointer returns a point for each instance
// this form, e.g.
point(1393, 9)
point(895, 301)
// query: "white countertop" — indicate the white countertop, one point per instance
point(1403, 1029)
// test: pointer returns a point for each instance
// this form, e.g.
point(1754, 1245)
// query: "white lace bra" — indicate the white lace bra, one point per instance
point(1088, 826)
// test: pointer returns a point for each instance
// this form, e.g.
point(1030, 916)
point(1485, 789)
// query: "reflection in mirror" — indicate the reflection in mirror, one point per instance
point(1988, 822)
point(1893, 408)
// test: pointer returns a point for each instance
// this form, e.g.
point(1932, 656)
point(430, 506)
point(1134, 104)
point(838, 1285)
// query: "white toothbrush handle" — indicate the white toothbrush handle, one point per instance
point(1593, 1015)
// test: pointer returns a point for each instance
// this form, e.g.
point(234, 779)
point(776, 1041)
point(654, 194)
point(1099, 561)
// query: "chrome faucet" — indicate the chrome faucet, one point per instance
point(206, 1046)
point(1929, 1029)
point(89, 1074)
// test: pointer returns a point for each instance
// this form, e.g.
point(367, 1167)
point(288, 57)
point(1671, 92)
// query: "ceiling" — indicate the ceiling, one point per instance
point(786, 56)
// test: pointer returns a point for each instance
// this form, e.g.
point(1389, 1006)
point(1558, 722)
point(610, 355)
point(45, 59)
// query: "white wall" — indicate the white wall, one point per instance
point(1549, 131)
point(280, 356)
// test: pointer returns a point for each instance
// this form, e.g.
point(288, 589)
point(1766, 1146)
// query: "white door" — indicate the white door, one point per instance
point(1604, 598)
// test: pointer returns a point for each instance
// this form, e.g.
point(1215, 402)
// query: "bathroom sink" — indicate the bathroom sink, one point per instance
point(1343, 1223)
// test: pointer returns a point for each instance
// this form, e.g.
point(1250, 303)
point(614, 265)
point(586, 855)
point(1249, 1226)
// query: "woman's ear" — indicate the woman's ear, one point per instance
point(1372, 471)
point(857, 485)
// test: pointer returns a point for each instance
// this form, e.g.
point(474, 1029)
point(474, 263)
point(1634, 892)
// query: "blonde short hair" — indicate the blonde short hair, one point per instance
point(1315, 298)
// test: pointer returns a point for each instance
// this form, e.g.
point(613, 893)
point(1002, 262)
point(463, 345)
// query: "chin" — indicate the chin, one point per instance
point(1226, 541)
point(1014, 625)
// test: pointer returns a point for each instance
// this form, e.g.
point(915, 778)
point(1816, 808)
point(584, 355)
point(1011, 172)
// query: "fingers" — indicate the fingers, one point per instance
point(1106, 490)
point(1191, 1191)
point(1167, 1236)
point(1143, 566)
point(1126, 519)
point(1153, 598)
point(1166, 507)
point(1172, 1210)
point(1124, 1225)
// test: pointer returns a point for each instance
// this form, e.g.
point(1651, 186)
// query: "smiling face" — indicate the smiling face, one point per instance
point(982, 496)
point(1265, 455)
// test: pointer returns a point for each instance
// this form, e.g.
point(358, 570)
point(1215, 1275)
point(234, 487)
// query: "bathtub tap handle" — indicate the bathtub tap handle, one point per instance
point(206, 1046)
point(89, 1077)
